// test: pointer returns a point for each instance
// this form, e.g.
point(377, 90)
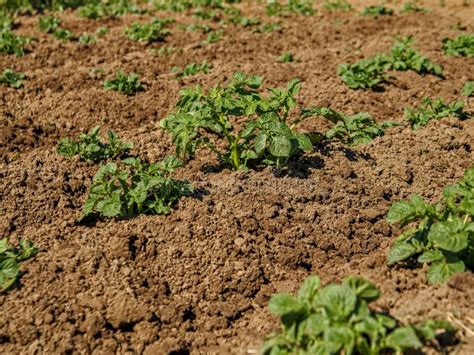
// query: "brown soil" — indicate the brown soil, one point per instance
point(199, 280)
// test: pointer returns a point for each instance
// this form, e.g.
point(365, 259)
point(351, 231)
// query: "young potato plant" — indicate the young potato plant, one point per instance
point(468, 89)
point(10, 257)
point(12, 79)
point(284, 8)
point(286, 58)
point(192, 69)
point(441, 235)
point(213, 37)
point(266, 139)
point(434, 110)
point(377, 10)
point(336, 319)
point(353, 130)
point(93, 11)
point(48, 24)
point(10, 43)
point(126, 84)
point(461, 46)
point(137, 188)
point(364, 74)
point(413, 7)
point(337, 5)
point(149, 32)
point(6, 22)
point(90, 148)
point(268, 27)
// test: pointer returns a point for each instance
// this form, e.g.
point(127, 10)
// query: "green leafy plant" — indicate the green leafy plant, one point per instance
point(10, 43)
point(126, 84)
point(377, 10)
point(64, 34)
point(102, 31)
point(336, 5)
point(266, 138)
point(442, 235)
point(461, 46)
point(434, 110)
point(192, 69)
point(283, 8)
point(364, 74)
point(336, 319)
point(268, 27)
point(10, 257)
point(89, 146)
point(137, 188)
point(6, 22)
point(468, 89)
point(149, 32)
point(12, 79)
point(413, 7)
point(213, 37)
point(87, 38)
point(93, 11)
point(354, 130)
point(286, 58)
point(48, 24)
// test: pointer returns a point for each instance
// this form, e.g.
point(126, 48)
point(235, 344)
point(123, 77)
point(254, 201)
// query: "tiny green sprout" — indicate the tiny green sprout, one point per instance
point(440, 235)
point(284, 8)
point(102, 31)
point(10, 257)
point(10, 43)
point(377, 10)
point(413, 7)
point(434, 110)
point(149, 32)
point(337, 5)
point(64, 34)
point(87, 38)
point(237, 19)
point(89, 147)
point(92, 11)
point(135, 187)
point(468, 89)
point(12, 79)
point(196, 27)
point(286, 58)
point(126, 84)
point(48, 24)
point(461, 46)
point(213, 37)
point(192, 69)
point(164, 51)
point(268, 27)
point(337, 319)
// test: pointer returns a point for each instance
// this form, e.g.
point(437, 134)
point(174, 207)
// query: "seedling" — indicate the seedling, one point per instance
point(87, 38)
point(468, 89)
point(336, 319)
point(441, 235)
point(286, 58)
point(196, 27)
point(12, 79)
point(150, 32)
point(279, 8)
point(268, 27)
point(364, 74)
point(377, 10)
point(48, 24)
point(10, 257)
point(237, 19)
point(102, 31)
point(64, 34)
point(10, 43)
point(90, 148)
point(336, 5)
point(6, 22)
point(461, 46)
point(126, 84)
point(136, 188)
point(192, 69)
point(213, 37)
point(266, 139)
point(354, 130)
point(434, 110)
point(93, 11)
point(413, 7)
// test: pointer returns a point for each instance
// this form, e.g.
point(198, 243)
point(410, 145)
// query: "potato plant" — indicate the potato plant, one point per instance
point(10, 43)
point(364, 74)
point(286, 57)
point(337, 5)
point(336, 319)
point(468, 89)
point(126, 84)
point(440, 235)
point(89, 147)
point(48, 24)
point(267, 138)
point(413, 7)
point(10, 257)
point(192, 69)
point(137, 187)
point(12, 79)
point(283, 8)
point(461, 46)
point(377, 10)
point(434, 110)
point(149, 32)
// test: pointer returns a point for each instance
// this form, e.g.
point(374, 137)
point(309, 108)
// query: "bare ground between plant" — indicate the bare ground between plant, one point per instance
point(199, 280)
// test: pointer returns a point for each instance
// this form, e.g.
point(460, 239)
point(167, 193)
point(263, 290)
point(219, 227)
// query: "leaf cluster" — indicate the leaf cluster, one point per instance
point(461, 46)
point(377, 10)
point(6, 22)
point(286, 57)
point(434, 110)
point(12, 79)
point(413, 7)
point(48, 24)
point(353, 130)
point(192, 69)
point(149, 32)
point(10, 257)
point(126, 84)
point(442, 235)
point(266, 137)
point(10, 43)
point(99, 9)
point(213, 37)
point(468, 89)
point(336, 5)
point(336, 319)
point(137, 187)
point(89, 146)
point(284, 8)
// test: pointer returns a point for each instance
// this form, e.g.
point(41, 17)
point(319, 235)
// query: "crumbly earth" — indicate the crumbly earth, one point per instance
point(199, 280)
